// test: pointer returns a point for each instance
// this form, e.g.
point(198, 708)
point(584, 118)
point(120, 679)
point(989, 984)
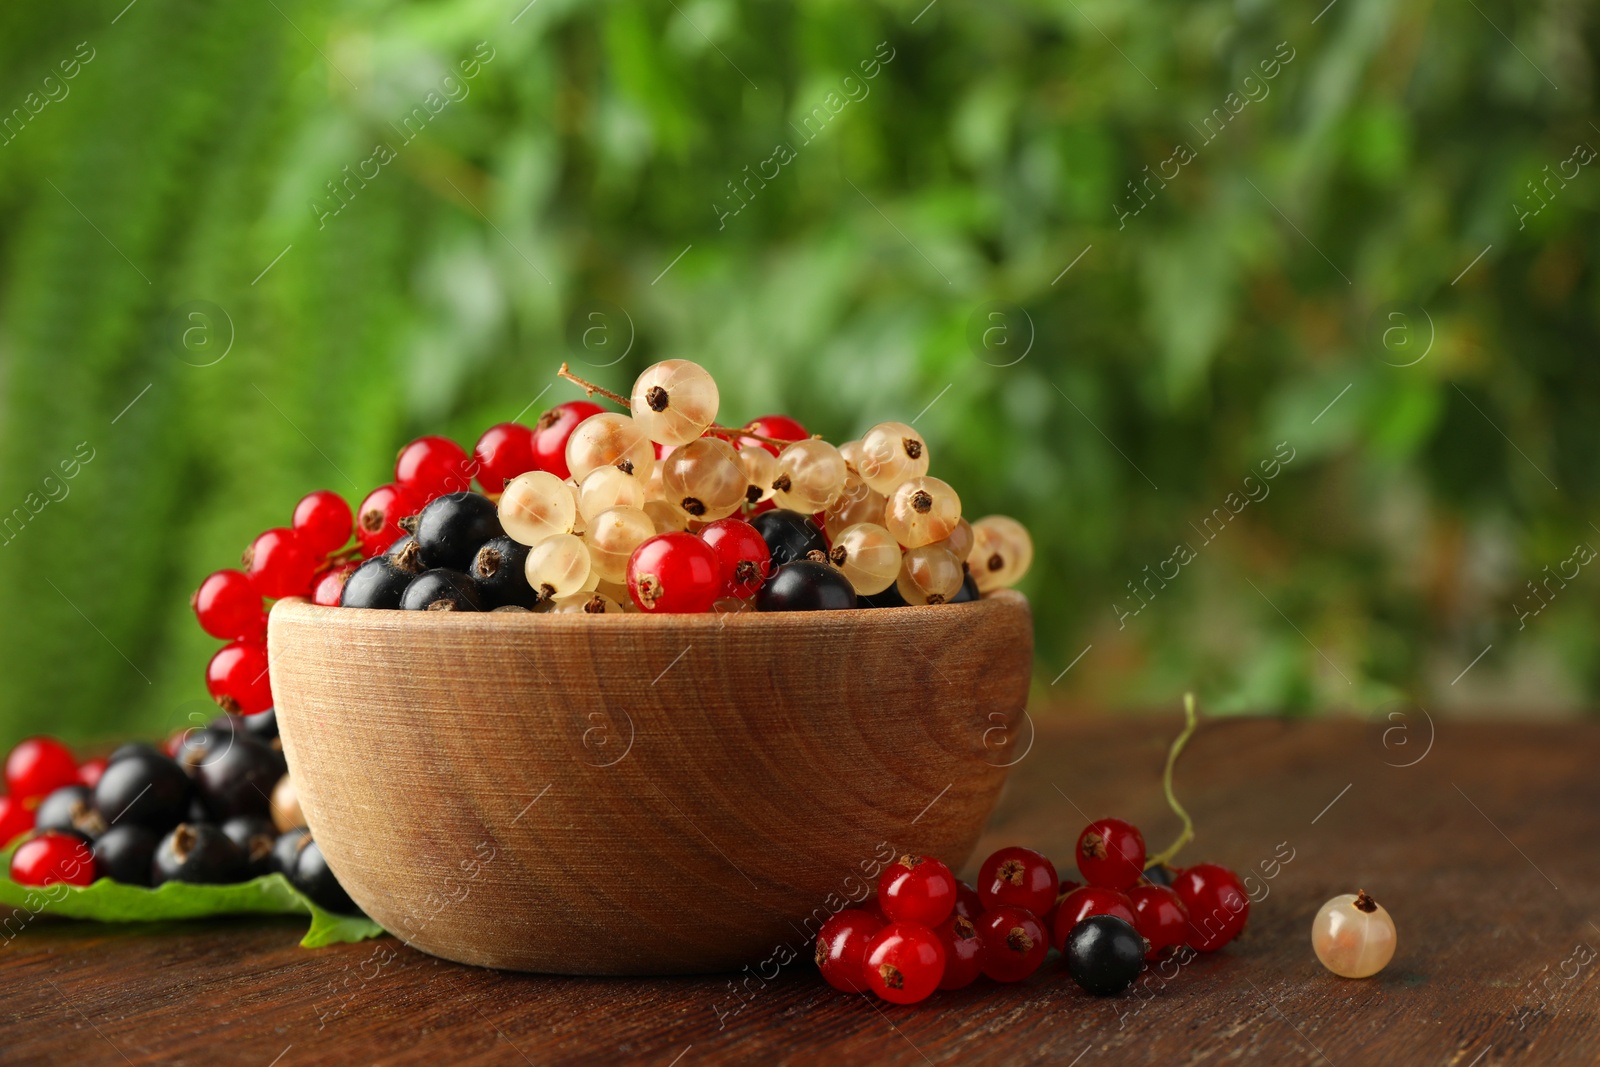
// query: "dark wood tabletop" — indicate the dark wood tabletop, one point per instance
point(1481, 839)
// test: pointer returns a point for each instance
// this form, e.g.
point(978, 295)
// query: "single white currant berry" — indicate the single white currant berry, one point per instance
point(617, 592)
point(851, 451)
point(674, 401)
point(867, 556)
point(664, 517)
point(811, 476)
point(536, 505)
point(960, 540)
point(608, 487)
point(857, 503)
point(760, 468)
point(891, 452)
point(609, 440)
point(704, 479)
point(921, 511)
point(930, 574)
point(587, 603)
point(612, 536)
point(1001, 552)
point(1353, 935)
point(558, 566)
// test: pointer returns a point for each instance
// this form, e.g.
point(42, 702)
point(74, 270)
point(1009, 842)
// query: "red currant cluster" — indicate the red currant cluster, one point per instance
point(215, 807)
point(925, 930)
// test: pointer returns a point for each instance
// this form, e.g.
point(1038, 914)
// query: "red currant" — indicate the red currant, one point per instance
point(16, 818)
point(550, 435)
point(1079, 904)
point(1160, 918)
point(742, 555)
point(228, 606)
point(1049, 918)
point(917, 889)
point(504, 451)
point(330, 584)
point(378, 518)
point(874, 906)
point(1216, 902)
point(322, 521)
point(38, 766)
point(778, 427)
point(279, 565)
point(53, 857)
point(842, 948)
point(237, 678)
point(1019, 877)
point(905, 963)
point(1111, 853)
point(963, 952)
point(968, 903)
point(1014, 943)
point(431, 467)
point(674, 573)
point(90, 770)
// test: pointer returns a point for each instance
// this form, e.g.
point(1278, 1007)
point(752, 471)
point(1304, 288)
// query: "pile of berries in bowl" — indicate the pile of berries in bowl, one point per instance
point(656, 510)
point(216, 808)
point(926, 931)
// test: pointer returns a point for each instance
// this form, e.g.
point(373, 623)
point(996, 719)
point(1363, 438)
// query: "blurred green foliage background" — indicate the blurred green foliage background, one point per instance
point(172, 241)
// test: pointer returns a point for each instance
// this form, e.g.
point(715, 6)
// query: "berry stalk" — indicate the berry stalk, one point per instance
point(1187, 834)
point(617, 398)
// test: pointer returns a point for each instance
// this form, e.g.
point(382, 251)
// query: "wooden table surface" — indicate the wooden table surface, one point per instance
point(1486, 850)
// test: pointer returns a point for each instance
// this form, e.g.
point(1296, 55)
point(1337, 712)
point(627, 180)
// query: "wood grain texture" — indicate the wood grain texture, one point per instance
point(1475, 982)
point(630, 794)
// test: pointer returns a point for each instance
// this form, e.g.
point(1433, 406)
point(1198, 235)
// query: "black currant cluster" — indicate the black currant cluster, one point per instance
point(204, 814)
point(456, 557)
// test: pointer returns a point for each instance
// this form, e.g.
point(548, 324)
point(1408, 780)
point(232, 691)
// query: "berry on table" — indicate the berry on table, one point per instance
point(742, 555)
point(279, 565)
point(806, 585)
point(322, 522)
point(255, 838)
point(917, 889)
point(286, 849)
point(228, 606)
point(1160, 918)
point(551, 432)
point(789, 535)
point(963, 952)
point(235, 774)
point(1104, 954)
point(674, 401)
point(38, 766)
point(70, 810)
point(674, 573)
point(237, 678)
point(504, 451)
point(1086, 901)
point(51, 858)
point(453, 526)
point(842, 948)
point(1014, 943)
point(377, 583)
point(378, 517)
point(1217, 905)
point(441, 590)
point(1353, 936)
point(197, 852)
point(1019, 877)
point(432, 466)
point(904, 963)
point(1111, 853)
point(143, 788)
point(124, 853)
point(313, 877)
point(16, 818)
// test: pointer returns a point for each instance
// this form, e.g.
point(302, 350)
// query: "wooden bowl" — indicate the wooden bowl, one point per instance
point(633, 794)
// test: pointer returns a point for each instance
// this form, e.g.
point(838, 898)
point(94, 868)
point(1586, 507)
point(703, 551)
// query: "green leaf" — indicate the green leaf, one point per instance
point(108, 901)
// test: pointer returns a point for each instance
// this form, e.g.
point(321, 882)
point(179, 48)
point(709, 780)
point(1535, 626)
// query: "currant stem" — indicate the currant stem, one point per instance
point(1187, 835)
point(621, 401)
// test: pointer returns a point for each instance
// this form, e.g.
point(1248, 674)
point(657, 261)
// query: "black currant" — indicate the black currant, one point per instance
point(124, 853)
point(806, 585)
point(1105, 954)
point(377, 583)
point(441, 590)
point(144, 788)
point(263, 726)
point(789, 535)
point(1160, 874)
point(967, 592)
point(889, 598)
point(197, 852)
point(286, 850)
point(406, 554)
point(502, 577)
point(132, 748)
point(235, 774)
point(255, 838)
point(313, 877)
point(199, 811)
point(70, 809)
point(453, 527)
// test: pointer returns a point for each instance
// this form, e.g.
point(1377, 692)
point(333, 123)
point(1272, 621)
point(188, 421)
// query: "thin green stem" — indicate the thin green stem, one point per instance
point(1187, 835)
